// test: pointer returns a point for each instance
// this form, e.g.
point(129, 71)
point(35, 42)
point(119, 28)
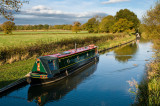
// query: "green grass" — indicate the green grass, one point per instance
point(16, 70)
point(25, 39)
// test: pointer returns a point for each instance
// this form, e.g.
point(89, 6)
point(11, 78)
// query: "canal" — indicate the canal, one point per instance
point(104, 83)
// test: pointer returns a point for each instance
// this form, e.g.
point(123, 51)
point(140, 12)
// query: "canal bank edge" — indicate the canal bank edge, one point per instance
point(14, 84)
point(24, 79)
point(116, 46)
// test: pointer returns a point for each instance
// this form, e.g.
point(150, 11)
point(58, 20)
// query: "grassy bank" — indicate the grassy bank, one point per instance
point(149, 88)
point(21, 51)
point(16, 70)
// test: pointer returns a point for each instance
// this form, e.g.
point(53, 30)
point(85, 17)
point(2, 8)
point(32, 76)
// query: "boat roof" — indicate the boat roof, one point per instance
point(70, 52)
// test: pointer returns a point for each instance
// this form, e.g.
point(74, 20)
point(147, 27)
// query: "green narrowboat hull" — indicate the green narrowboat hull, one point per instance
point(51, 68)
point(63, 74)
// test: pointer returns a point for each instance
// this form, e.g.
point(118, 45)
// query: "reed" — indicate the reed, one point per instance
point(154, 77)
point(149, 88)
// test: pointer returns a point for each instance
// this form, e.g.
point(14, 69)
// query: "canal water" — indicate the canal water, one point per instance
point(104, 83)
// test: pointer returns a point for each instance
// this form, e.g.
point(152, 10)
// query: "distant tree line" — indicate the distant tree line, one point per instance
point(124, 21)
point(43, 27)
point(64, 27)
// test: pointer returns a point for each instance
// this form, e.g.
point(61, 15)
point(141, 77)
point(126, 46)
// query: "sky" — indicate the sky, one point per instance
point(58, 12)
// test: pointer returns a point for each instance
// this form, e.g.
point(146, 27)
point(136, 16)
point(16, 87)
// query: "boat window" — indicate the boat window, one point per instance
point(67, 52)
point(68, 61)
point(77, 57)
point(52, 65)
point(86, 47)
point(87, 54)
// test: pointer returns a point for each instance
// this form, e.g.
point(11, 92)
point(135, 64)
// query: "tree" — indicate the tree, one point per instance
point(67, 27)
point(76, 27)
point(93, 25)
point(40, 27)
point(46, 26)
point(8, 6)
point(106, 23)
point(1, 27)
point(122, 25)
point(8, 26)
point(152, 21)
point(83, 27)
point(90, 25)
point(129, 15)
point(96, 26)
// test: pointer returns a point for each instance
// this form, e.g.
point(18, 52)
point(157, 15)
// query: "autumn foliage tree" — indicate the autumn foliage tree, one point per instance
point(92, 25)
point(129, 15)
point(152, 22)
point(122, 25)
point(7, 7)
point(8, 26)
point(1, 27)
point(106, 23)
point(76, 27)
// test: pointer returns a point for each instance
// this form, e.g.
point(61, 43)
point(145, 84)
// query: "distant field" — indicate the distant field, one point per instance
point(42, 32)
point(27, 38)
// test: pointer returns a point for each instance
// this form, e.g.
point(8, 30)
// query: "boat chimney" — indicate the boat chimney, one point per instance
point(75, 47)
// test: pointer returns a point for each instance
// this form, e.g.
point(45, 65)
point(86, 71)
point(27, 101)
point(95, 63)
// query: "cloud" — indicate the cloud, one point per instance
point(113, 1)
point(42, 9)
point(44, 15)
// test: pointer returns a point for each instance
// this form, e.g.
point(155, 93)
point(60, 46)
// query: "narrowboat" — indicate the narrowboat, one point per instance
point(51, 68)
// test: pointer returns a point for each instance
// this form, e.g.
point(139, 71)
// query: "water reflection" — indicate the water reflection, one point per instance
point(125, 53)
point(56, 91)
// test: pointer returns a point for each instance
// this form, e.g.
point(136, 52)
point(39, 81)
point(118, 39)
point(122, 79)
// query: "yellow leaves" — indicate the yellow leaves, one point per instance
point(8, 26)
point(152, 21)
point(8, 6)
point(76, 28)
point(122, 25)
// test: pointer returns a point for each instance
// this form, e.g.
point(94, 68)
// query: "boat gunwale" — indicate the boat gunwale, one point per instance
point(76, 52)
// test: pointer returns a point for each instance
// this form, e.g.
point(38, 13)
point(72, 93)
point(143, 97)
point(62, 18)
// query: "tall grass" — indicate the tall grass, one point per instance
point(11, 54)
point(154, 77)
point(149, 88)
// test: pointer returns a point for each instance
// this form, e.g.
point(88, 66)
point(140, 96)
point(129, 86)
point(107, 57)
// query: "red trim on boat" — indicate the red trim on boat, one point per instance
point(73, 51)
